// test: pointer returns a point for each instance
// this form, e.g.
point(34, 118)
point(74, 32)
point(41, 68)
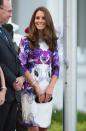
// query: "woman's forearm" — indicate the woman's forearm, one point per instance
point(53, 81)
point(33, 82)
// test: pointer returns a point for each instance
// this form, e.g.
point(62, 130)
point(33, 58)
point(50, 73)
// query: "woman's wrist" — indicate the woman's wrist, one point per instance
point(34, 82)
point(36, 87)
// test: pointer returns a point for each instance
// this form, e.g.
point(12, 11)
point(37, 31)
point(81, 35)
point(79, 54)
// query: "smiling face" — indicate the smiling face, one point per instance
point(40, 21)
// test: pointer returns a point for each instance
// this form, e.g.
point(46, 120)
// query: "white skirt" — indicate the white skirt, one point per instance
point(33, 113)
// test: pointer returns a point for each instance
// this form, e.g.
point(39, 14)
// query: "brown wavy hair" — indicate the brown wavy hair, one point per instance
point(49, 33)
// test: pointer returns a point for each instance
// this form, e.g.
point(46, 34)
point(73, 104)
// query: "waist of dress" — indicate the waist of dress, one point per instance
point(38, 61)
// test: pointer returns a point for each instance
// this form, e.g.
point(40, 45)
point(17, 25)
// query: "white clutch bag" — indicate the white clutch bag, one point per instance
point(37, 114)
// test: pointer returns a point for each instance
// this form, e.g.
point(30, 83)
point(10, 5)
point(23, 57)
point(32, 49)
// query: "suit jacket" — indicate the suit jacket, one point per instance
point(9, 63)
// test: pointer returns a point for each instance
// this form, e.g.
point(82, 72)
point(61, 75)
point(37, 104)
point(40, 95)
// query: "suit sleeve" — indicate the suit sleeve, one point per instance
point(19, 67)
point(9, 76)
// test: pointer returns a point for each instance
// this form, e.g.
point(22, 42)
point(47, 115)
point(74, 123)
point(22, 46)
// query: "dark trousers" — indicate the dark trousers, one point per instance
point(19, 123)
point(8, 113)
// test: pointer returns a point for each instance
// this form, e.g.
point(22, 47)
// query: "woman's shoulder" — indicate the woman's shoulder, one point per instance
point(24, 41)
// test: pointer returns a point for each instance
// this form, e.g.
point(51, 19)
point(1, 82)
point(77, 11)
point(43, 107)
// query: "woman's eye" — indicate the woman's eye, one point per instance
point(37, 17)
point(43, 18)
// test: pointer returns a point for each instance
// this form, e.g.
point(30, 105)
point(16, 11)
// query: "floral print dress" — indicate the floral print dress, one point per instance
point(42, 64)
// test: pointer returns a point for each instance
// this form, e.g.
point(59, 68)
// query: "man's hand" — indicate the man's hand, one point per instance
point(18, 84)
point(2, 96)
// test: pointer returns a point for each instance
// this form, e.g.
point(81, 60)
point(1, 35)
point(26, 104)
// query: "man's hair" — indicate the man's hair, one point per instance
point(1, 2)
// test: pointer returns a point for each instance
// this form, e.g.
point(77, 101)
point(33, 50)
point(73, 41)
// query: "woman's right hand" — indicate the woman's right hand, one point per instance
point(41, 94)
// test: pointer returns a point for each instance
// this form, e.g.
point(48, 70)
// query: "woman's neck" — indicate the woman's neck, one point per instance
point(40, 35)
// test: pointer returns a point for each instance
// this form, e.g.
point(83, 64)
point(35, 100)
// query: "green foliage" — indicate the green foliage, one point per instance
point(81, 126)
point(57, 121)
point(55, 126)
point(81, 116)
point(57, 115)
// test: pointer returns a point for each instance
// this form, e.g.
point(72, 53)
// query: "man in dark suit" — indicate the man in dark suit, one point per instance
point(12, 71)
point(9, 28)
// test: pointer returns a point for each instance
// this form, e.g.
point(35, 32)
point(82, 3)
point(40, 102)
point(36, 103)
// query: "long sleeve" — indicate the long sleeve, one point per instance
point(9, 75)
point(55, 63)
point(23, 53)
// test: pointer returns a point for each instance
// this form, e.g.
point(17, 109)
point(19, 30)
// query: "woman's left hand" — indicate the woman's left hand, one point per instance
point(48, 94)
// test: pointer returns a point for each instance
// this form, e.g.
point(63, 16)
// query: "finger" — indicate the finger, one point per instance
point(18, 89)
point(48, 97)
point(41, 98)
point(1, 102)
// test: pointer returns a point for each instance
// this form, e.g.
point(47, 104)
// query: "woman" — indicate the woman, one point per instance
point(2, 87)
point(40, 61)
